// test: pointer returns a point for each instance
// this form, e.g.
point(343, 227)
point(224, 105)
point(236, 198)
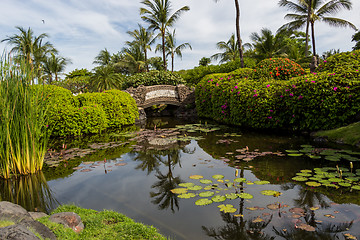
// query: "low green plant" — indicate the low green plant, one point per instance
point(153, 77)
point(23, 134)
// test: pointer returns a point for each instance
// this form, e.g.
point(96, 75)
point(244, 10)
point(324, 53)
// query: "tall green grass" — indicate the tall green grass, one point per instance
point(23, 135)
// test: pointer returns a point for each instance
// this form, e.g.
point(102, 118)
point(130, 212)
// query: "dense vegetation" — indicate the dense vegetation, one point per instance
point(314, 101)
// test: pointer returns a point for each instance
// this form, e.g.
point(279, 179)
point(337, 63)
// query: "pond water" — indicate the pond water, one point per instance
point(135, 174)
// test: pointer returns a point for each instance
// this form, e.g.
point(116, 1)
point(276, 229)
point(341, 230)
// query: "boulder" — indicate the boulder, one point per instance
point(68, 219)
point(17, 232)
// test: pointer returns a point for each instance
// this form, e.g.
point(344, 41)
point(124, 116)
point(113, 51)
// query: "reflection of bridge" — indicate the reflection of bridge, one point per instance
point(147, 96)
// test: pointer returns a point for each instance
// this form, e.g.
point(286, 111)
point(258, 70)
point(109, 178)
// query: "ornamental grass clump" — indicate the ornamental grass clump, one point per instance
point(23, 135)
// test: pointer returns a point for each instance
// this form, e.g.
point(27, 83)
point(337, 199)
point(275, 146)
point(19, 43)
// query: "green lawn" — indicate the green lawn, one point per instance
point(349, 134)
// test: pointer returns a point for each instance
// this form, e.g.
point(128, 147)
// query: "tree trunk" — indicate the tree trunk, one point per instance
point(237, 6)
point(146, 63)
point(163, 48)
point(313, 38)
point(307, 28)
point(172, 62)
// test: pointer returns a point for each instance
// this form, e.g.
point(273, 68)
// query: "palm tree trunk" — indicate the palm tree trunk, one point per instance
point(313, 38)
point(237, 6)
point(163, 48)
point(146, 62)
point(307, 28)
point(172, 62)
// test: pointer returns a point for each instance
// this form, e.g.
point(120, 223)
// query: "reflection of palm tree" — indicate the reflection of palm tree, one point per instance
point(308, 199)
point(149, 161)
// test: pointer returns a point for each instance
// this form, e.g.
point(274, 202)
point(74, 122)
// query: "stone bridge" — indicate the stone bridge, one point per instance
point(147, 96)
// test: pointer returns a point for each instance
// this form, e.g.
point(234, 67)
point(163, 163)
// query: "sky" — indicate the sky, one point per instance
point(80, 29)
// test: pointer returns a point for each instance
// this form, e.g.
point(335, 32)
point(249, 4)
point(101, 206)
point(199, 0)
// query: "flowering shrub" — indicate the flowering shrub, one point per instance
point(278, 69)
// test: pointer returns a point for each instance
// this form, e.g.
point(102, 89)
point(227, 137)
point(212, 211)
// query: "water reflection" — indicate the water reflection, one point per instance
point(31, 192)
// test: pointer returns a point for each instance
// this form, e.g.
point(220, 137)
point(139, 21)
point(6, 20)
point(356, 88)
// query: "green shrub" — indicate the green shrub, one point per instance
point(153, 78)
point(120, 107)
point(56, 95)
point(346, 64)
point(278, 69)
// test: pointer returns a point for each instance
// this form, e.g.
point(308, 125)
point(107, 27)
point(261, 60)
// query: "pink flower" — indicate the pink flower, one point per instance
point(335, 88)
point(268, 85)
point(254, 90)
point(281, 96)
point(291, 94)
point(300, 97)
point(236, 87)
point(313, 81)
point(270, 117)
point(255, 95)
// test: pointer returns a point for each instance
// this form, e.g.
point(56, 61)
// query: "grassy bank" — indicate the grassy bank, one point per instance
point(349, 134)
point(101, 225)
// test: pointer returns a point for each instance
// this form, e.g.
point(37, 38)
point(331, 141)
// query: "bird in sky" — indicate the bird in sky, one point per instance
point(43, 21)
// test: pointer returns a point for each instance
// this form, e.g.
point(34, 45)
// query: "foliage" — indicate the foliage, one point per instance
point(120, 107)
point(277, 69)
point(193, 76)
point(230, 50)
point(23, 135)
point(348, 135)
point(101, 225)
point(310, 102)
point(153, 78)
point(106, 78)
point(204, 61)
point(356, 39)
point(77, 81)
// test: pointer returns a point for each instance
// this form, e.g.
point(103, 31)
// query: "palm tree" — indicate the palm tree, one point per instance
point(105, 78)
point(144, 39)
point(171, 48)
point(103, 58)
point(239, 42)
point(54, 65)
point(318, 11)
point(356, 38)
point(157, 14)
point(230, 50)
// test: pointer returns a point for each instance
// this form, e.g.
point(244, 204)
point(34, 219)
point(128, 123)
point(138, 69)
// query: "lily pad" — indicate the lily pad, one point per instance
point(344, 184)
point(295, 154)
point(228, 208)
point(313, 184)
point(306, 171)
point(195, 188)
point(306, 146)
point(218, 198)
point(206, 181)
point(231, 196)
point(239, 180)
point(187, 195)
point(179, 190)
point(314, 156)
point(245, 195)
point(257, 220)
point(356, 187)
point(335, 180)
point(206, 194)
point(261, 182)
point(270, 192)
point(292, 151)
point(203, 202)
point(196, 177)
point(299, 178)
point(186, 184)
point(218, 176)
point(306, 227)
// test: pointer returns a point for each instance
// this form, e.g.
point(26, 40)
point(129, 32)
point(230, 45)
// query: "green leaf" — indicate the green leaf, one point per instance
point(299, 179)
point(206, 181)
point(239, 180)
point(261, 182)
point(295, 154)
point(206, 194)
point(218, 198)
point(245, 195)
point(218, 176)
point(187, 195)
point(228, 208)
point(186, 184)
point(203, 202)
point(313, 184)
point(231, 196)
point(270, 192)
point(195, 188)
point(179, 190)
point(196, 177)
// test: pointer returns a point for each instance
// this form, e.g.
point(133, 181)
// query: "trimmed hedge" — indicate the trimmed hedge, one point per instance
point(153, 78)
point(310, 102)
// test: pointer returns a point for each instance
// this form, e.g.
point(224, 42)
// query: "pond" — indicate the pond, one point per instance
point(196, 180)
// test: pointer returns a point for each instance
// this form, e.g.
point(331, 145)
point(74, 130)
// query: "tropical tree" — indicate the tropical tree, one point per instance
point(319, 11)
point(144, 39)
point(105, 78)
point(171, 48)
point(103, 58)
point(132, 58)
point(356, 38)
point(54, 65)
point(230, 50)
point(77, 81)
point(239, 41)
point(157, 15)
point(204, 61)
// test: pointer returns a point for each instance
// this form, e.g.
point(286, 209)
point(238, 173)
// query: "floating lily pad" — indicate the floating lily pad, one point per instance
point(335, 180)
point(295, 154)
point(203, 202)
point(356, 187)
point(186, 184)
point(344, 184)
point(306, 171)
point(304, 174)
point(261, 182)
point(313, 184)
point(218, 176)
point(299, 178)
point(239, 180)
point(206, 194)
point(231, 196)
point(273, 206)
point(206, 181)
point(332, 158)
point(187, 195)
point(314, 156)
point(292, 151)
point(218, 198)
point(306, 227)
point(179, 190)
point(228, 208)
point(196, 177)
point(270, 192)
point(195, 188)
point(245, 195)
point(330, 185)
point(257, 220)
point(306, 146)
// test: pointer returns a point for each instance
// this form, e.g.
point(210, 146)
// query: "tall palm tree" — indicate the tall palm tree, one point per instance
point(319, 11)
point(171, 48)
point(103, 58)
point(356, 38)
point(105, 78)
point(157, 15)
point(144, 39)
point(239, 41)
point(230, 50)
point(54, 65)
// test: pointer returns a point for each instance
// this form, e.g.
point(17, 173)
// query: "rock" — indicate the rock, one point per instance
point(38, 227)
point(68, 219)
point(36, 215)
point(17, 232)
point(13, 212)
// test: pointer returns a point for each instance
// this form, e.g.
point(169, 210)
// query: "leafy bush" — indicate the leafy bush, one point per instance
point(278, 69)
point(120, 107)
point(56, 95)
point(153, 78)
point(193, 76)
point(310, 102)
point(347, 64)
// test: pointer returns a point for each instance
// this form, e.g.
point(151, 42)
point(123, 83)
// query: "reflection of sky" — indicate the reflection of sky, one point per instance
point(127, 190)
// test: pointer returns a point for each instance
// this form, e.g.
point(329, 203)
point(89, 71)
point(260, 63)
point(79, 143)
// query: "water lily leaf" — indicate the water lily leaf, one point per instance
point(231, 196)
point(220, 180)
point(352, 179)
point(292, 151)
point(206, 181)
point(332, 158)
point(186, 184)
point(195, 188)
point(257, 220)
point(306, 227)
point(218, 176)
point(218, 198)
point(306, 171)
point(335, 180)
point(304, 174)
point(270, 192)
point(329, 216)
point(299, 178)
point(306, 146)
point(344, 184)
point(314, 156)
point(356, 187)
point(307, 150)
point(196, 177)
point(252, 208)
point(261, 182)
point(273, 206)
point(239, 180)
point(245, 195)
point(295, 154)
point(330, 185)
point(179, 190)
point(187, 195)
point(203, 202)
point(206, 194)
point(314, 208)
point(228, 208)
point(313, 184)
